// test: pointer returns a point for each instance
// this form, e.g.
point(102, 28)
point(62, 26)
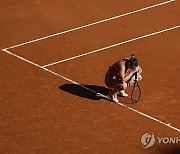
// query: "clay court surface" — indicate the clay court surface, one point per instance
point(42, 112)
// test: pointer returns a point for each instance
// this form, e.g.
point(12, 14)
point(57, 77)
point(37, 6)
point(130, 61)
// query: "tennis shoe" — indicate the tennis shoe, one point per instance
point(123, 93)
point(114, 98)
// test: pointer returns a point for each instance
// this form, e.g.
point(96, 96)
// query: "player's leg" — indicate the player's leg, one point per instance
point(108, 81)
point(113, 85)
point(117, 87)
point(139, 77)
point(130, 82)
point(122, 91)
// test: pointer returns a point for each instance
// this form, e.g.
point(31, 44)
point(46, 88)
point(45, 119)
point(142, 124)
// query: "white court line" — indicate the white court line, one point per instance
point(74, 82)
point(111, 46)
point(91, 24)
point(37, 65)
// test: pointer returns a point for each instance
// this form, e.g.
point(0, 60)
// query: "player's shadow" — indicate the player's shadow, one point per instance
point(82, 92)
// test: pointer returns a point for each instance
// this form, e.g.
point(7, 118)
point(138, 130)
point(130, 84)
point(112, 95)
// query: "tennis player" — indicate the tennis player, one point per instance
point(120, 75)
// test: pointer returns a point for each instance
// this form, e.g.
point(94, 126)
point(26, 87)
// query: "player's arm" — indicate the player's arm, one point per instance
point(139, 70)
point(124, 77)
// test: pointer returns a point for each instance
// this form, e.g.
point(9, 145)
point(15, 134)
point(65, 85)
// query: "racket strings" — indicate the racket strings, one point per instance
point(136, 93)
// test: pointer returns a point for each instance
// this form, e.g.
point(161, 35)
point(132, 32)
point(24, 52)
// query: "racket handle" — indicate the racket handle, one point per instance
point(136, 76)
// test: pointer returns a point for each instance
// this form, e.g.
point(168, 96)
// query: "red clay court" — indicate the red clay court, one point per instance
point(53, 60)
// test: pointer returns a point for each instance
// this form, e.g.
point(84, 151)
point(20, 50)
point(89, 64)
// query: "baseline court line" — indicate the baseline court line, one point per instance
point(37, 65)
point(111, 46)
point(91, 24)
point(74, 82)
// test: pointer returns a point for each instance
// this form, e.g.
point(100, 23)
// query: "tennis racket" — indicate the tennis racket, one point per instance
point(136, 91)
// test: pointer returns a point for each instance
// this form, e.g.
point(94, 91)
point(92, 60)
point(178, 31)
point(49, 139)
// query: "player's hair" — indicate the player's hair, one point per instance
point(133, 61)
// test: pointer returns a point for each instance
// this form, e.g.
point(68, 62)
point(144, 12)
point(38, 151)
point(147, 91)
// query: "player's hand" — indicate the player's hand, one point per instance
point(135, 70)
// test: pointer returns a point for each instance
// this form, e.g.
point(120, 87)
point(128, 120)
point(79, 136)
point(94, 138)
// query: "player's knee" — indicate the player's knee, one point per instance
point(130, 83)
point(123, 85)
point(139, 77)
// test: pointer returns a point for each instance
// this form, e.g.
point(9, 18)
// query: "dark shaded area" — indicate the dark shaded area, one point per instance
point(171, 150)
point(82, 92)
